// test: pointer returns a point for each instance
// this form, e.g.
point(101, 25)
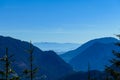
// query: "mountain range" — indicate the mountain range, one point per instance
point(96, 52)
point(48, 62)
point(72, 65)
point(59, 48)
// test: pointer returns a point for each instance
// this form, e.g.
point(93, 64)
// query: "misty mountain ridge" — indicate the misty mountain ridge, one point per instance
point(72, 53)
point(57, 47)
point(49, 62)
point(97, 52)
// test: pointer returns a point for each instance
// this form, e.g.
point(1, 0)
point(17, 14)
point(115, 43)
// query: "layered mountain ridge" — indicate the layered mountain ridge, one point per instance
point(96, 52)
point(48, 62)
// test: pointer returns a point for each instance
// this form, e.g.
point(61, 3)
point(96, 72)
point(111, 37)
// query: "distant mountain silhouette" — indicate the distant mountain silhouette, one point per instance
point(97, 52)
point(57, 47)
point(49, 63)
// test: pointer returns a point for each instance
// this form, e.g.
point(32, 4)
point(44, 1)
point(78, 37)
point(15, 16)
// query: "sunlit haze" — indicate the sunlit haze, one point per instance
point(74, 21)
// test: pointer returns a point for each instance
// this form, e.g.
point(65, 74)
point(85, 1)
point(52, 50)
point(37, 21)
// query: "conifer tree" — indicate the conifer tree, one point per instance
point(6, 62)
point(114, 69)
point(31, 71)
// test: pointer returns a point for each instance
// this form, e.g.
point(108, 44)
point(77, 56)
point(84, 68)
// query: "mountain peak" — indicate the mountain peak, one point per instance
point(100, 48)
point(49, 62)
point(105, 40)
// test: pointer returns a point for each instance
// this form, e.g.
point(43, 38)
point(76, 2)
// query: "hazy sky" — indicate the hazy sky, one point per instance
point(59, 20)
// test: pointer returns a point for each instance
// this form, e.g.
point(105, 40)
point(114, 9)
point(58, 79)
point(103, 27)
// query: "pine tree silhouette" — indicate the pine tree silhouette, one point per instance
point(7, 64)
point(31, 72)
point(114, 72)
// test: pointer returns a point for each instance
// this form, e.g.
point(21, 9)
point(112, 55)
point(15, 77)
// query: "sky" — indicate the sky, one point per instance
point(64, 21)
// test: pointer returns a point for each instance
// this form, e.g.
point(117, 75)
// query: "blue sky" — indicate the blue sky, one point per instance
point(59, 20)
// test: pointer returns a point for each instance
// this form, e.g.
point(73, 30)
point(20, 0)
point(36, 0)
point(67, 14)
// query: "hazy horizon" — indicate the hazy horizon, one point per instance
point(62, 21)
